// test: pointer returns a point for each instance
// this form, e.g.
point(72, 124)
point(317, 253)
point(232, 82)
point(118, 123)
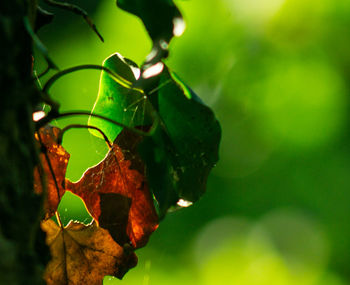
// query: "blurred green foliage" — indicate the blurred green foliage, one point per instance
point(277, 74)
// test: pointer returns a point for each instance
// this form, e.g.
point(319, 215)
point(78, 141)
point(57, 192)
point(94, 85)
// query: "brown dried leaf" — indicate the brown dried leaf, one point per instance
point(83, 254)
point(59, 159)
point(115, 191)
point(117, 175)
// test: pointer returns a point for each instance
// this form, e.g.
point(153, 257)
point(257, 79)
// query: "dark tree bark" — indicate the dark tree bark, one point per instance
point(20, 208)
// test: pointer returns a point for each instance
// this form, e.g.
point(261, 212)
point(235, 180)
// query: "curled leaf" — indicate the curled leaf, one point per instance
point(83, 254)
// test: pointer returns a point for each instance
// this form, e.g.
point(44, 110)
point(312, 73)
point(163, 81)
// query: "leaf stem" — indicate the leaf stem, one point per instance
point(121, 80)
point(78, 126)
point(45, 71)
point(77, 10)
point(52, 116)
point(53, 176)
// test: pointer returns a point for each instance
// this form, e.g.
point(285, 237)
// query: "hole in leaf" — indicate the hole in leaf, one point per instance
point(73, 208)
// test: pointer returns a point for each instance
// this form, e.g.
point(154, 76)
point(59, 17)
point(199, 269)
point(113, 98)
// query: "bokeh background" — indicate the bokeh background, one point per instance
point(277, 74)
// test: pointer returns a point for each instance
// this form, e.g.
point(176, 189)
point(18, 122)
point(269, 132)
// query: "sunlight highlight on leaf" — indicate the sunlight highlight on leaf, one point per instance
point(38, 115)
point(184, 203)
point(153, 70)
point(179, 26)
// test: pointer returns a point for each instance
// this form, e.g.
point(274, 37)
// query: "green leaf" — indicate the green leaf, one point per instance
point(117, 100)
point(179, 154)
point(162, 20)
point(160, 17)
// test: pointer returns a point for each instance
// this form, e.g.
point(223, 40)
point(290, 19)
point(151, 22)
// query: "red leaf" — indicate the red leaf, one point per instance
point(133, 218)
point(58, 159)
point(115, 191)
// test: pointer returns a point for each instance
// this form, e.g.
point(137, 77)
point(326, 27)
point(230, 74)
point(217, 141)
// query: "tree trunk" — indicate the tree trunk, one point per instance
point(20, 209)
